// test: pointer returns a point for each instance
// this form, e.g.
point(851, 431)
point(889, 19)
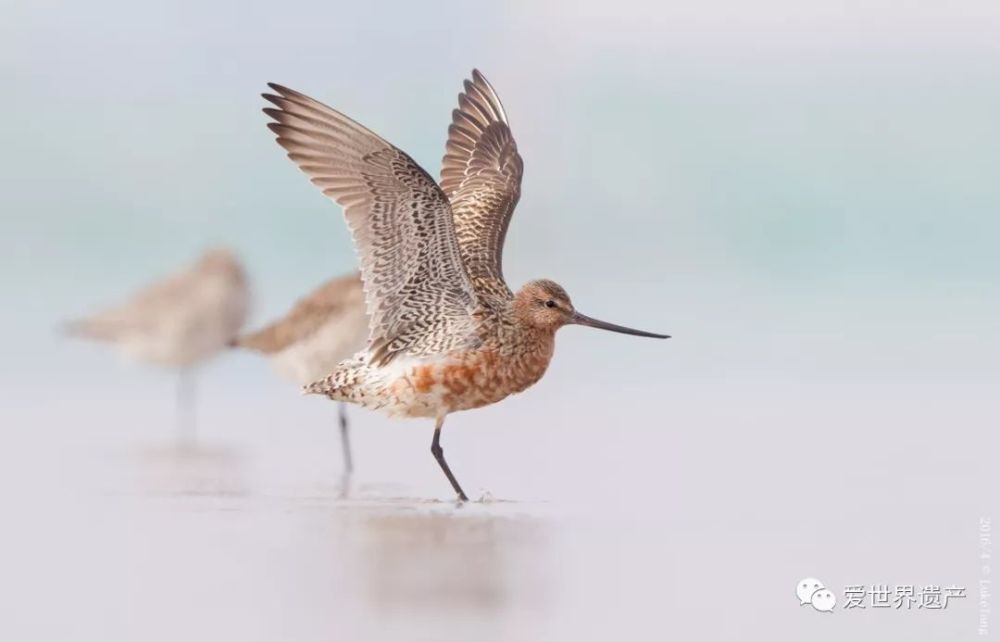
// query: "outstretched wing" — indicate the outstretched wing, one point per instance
point(418, 295)
point(481, 175)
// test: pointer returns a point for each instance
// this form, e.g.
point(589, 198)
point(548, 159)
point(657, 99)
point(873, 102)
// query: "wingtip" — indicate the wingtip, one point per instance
point(480, 80)
point(284, 93)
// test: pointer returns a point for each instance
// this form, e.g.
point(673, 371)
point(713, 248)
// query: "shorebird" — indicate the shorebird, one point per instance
point(322, 329)
point(446, 332)
point(178, 322)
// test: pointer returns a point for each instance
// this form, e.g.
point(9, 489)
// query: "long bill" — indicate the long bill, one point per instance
point(582, 319)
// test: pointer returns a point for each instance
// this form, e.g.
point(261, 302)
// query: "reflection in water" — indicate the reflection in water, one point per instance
point(451, 562)
point(370, 566)
point(192, 470)
point(432, 560)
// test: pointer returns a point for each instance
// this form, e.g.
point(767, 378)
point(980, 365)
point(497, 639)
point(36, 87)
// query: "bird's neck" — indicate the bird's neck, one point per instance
point(515, 335)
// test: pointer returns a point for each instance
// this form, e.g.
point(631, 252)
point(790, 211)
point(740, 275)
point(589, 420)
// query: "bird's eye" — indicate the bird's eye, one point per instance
point(550, 303)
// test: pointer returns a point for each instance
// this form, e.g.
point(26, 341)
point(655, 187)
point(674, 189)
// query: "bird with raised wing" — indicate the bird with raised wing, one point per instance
point(446, 332)
point(322, 329)
point(178, 322)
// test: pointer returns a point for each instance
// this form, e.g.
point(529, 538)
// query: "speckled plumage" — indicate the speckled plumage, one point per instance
point(418, 295)
point(481, 176)
point(506, 360)
point(431, 261)
point(447, 333)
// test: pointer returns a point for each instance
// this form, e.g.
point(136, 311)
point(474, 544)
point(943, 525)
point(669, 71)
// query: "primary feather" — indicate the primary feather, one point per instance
point(419, 297)
point(481, 175)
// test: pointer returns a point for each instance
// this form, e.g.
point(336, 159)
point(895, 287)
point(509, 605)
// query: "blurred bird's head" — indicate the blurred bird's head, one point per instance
point(544, 304)
point(221, 261)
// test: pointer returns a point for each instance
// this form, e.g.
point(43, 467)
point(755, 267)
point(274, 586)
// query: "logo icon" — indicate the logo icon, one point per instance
point(810, 590)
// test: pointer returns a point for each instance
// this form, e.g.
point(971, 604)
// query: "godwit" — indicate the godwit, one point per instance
point(446, 333)
point(178, 322)
point(321, 330)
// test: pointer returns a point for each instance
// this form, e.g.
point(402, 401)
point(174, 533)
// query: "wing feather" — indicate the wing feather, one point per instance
point(418, 295)
point(481, 176)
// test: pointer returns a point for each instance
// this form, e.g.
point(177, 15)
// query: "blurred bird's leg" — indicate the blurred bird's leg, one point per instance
point(345, 440)
point(187, 435)
point(439, 456)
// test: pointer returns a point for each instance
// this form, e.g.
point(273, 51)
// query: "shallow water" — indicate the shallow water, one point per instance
point(699, 528)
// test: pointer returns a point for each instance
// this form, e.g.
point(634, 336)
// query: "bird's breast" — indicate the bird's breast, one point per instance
point(474, 378)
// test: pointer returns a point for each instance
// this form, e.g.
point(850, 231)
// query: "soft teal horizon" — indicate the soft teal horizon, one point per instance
point(735, 186)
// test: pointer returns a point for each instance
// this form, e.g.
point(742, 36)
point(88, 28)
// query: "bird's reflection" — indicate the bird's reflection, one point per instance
point(192, 470)
point(452, 559)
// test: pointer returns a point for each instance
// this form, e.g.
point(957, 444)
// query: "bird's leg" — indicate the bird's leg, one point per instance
point(345, 441)
point(438, 453)
point(186, 426)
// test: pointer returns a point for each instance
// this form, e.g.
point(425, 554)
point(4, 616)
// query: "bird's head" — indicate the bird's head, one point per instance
point(544, 304)
point(220, 261)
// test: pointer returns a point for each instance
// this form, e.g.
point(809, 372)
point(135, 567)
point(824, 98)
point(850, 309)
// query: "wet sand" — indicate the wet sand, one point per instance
point(114, 535)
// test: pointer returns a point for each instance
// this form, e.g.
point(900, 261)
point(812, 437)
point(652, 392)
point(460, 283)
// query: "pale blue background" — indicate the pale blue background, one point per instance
point(805, 194)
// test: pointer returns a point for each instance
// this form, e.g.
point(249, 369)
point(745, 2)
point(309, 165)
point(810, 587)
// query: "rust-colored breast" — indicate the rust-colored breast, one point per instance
point(478, 377)
point(423, 379)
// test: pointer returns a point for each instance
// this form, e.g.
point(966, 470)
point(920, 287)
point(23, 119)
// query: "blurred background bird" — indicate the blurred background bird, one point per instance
point(178, 322)
point(323, 328)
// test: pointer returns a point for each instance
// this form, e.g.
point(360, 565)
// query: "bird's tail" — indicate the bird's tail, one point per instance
point(345, 383)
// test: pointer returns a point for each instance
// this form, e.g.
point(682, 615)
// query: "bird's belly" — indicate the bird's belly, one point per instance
point(462, 382)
